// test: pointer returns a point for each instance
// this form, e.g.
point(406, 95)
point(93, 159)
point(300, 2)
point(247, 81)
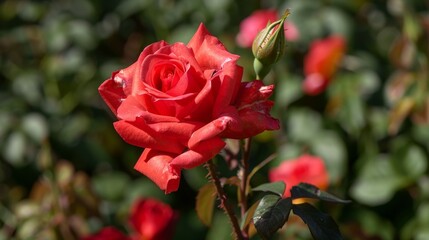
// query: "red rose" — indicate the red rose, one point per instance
point(321, 62)
point(107, 233)
point(153, 220)
point(178, 101)
point(314, 84)
point(306, 168)
point(258, 20)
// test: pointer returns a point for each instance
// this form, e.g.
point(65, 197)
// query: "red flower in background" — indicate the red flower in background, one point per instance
point(107, 233)
point(321, 62)
point(153, 220)
point(178, 101)
point(306, 168)
point(252, 25)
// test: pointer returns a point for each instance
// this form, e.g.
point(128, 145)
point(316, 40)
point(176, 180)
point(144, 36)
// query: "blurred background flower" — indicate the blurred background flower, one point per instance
point(306, 168)
point(321, 62)
point(153, 220)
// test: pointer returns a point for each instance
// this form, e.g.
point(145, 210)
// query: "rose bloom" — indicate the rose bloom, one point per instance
point(107, 233)
point(321, 62)
point(178, 101)
point(306, 168)
point(153, 220)
point(258, 20)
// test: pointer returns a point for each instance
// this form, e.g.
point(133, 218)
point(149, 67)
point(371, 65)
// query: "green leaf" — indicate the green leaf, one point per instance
point(220, 229)
point(330, 147)
point(35, 126)
point(271, 214)
point(377, 182)
point(289, 90)
point(321, 225)
point(305, 190)
point(303, 124)
point(14, 148)
point(111, 186)
point(410, 161)
point(205, 203)
point(249, 215)
point(275, 187)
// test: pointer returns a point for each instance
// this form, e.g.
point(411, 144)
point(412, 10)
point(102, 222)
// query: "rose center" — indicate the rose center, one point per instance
point(166, 77)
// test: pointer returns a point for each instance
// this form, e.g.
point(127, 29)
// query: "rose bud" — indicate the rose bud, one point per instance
point(269, 46)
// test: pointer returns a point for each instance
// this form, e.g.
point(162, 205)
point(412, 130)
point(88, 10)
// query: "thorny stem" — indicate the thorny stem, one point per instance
point(244, 169)
point(224, 201)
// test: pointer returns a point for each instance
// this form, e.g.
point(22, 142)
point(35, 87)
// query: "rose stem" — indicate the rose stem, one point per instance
point(244, 175)
point(224, 200)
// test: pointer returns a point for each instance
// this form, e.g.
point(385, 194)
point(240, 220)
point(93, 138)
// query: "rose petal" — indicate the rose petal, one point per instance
point(131, 77)
point(199, 154)
point(112, 93)
point(209, 51)
point(137, 133)
point(230, 81)
point(156, 166)
point(251, 92)
point(197, 109)
point(215, 128)
point(254, 120)
point(172, 106)
point(132, 108)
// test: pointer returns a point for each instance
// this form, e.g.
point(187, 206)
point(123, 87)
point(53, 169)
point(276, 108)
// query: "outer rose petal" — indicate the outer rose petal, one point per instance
point(306, 168)
point(139, 136)
point(156, 166)
point(252, 92)
point(215, 128)
point(199, 154)
point(112, 93)
point(254, 108)
point(255, 119)
point(209, 52)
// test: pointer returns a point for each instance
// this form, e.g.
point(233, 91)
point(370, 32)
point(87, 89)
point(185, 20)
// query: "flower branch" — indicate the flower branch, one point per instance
point(224, 204)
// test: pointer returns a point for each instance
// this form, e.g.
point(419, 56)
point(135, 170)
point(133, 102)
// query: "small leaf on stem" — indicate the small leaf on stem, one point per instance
point(205, 203)
point(249, 215)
